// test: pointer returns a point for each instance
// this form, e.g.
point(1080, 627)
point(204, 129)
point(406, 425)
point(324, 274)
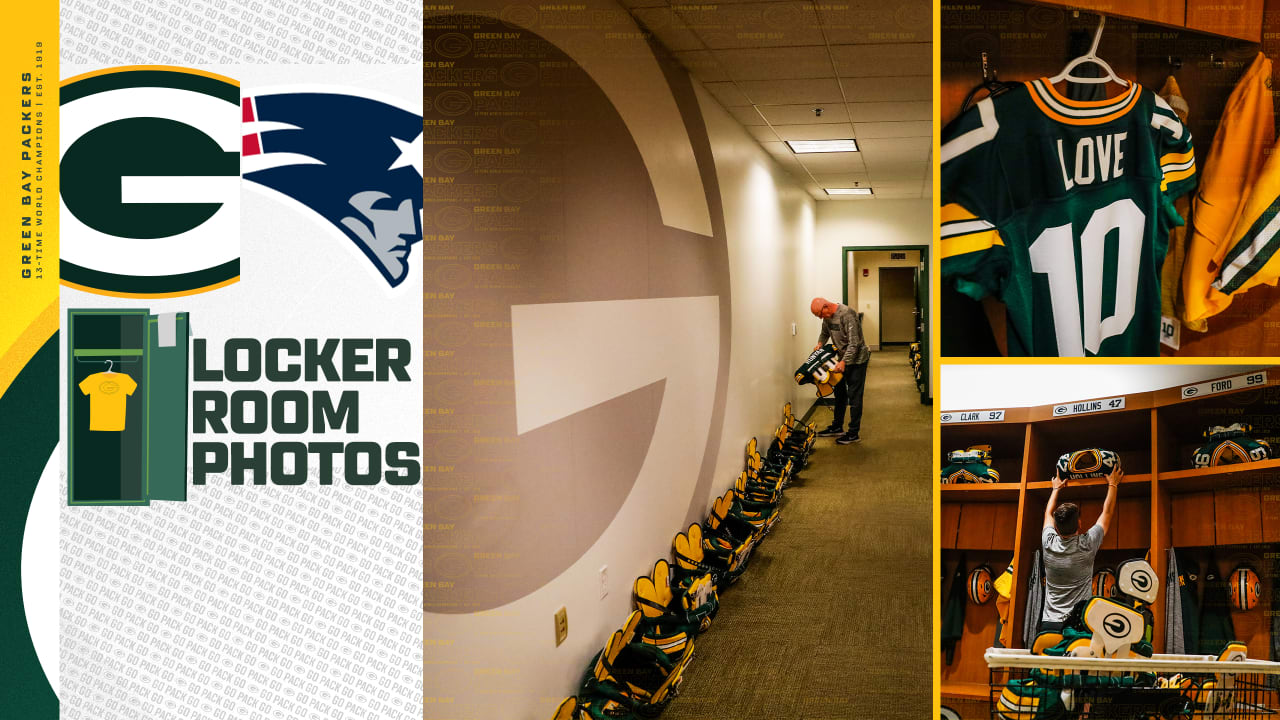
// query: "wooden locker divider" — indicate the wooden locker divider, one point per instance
point(1158, 524)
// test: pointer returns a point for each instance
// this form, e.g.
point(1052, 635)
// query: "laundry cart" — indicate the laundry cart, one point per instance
point(1038, 687)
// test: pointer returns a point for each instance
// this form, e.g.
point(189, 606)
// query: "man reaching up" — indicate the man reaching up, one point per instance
point(1068, 553)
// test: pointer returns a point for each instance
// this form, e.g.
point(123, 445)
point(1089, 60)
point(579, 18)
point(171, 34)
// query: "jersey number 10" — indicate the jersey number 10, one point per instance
point(1053, 254)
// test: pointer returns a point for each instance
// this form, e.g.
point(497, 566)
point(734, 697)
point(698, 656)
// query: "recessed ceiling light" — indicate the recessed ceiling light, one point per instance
point(849, 191)
point(822, 146)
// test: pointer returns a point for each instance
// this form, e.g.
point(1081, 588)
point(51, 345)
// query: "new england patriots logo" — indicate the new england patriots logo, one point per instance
point(354, 160)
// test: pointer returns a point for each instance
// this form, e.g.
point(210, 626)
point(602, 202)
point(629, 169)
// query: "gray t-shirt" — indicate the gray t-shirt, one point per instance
point(1068, 570)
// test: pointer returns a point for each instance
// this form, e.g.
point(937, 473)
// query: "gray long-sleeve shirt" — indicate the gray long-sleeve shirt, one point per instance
point(845, 331)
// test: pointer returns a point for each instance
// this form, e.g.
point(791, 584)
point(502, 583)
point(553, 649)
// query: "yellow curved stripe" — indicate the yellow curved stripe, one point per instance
point(1176, 176)
point(131, 68)
point(951, 212)
point(1177, 158)
point(147, 296)
point(25, 345)
point(973, 242)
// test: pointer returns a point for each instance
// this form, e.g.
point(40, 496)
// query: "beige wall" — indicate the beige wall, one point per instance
point(770, 224)
point(853, 223)
point(866, 290)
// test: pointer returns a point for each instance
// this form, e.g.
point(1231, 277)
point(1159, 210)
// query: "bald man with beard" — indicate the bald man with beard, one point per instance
point(840, 324)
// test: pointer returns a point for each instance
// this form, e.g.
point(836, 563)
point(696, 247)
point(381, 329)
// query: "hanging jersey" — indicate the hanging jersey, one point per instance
point(1251, 259)
point(1171, 302)
point(1231, 170)
point(1062, 210)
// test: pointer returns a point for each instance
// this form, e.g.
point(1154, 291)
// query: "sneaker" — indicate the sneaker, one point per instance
point(847, 439)
point(831, 431)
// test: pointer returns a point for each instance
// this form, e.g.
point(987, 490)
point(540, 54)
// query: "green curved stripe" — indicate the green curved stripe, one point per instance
point(150, 78)
point(28, 437)
point(144, 284)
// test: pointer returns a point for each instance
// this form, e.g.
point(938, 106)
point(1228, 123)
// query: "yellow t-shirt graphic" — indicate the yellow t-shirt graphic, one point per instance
point(108, 392)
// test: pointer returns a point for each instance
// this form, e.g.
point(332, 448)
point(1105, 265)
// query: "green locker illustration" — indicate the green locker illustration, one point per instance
point(127, 406)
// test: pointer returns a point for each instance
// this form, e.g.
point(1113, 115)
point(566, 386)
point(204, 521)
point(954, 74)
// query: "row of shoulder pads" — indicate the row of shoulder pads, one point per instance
point(917, 364)
point(638, 672)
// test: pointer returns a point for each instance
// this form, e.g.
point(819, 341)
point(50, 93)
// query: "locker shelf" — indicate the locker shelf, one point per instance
point(1257, 474)
point(980, 492)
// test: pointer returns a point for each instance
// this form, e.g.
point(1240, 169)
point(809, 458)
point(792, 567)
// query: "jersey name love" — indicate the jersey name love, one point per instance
point(1096, 159)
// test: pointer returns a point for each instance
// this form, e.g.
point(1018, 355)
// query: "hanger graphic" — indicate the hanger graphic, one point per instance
point(1090, 57)
point(110, 365)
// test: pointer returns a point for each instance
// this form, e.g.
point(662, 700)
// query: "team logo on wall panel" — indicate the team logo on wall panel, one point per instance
point(572, 240)
point(151, 166)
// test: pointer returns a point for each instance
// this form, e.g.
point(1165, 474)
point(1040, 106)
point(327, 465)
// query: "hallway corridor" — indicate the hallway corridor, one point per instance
point(832, 618)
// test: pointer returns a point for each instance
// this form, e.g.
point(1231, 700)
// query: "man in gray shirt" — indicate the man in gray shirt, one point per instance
point(841, 325)
point(1068, 553)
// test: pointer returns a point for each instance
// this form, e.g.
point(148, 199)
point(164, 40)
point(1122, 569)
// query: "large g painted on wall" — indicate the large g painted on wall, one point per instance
point(578, 323)
point(150, 181)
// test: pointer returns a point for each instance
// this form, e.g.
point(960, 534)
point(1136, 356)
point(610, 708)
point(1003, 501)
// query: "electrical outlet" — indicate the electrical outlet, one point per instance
point(604, 581)
point(793, 329)
point(562, 625)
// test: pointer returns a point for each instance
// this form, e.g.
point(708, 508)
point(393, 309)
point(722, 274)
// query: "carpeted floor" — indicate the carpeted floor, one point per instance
point(832, 618)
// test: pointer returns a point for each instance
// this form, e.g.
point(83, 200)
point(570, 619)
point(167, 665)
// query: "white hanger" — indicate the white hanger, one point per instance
point(1090, 57)
point(110, 364)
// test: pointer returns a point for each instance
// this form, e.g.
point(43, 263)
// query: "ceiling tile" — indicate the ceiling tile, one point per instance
point(878, 21)
point(781, 153)
point(727, 93)
point(777, 63)
point(703, 65)
point(886, 185)
point(836, 180)
point(883, 60)
point(898, 194)
point(747, 116)
point(668, 28)
point(828, 163)
point(913, 149)
point(755, 24)
point(792, 92)
point(883, 111)
point(763, 133)
point(825, 131)
point(906, 128)
point(889, 89)
point(803, 114)
point(906, 176)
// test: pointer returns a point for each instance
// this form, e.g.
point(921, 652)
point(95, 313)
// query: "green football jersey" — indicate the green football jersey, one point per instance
point(1062, 210)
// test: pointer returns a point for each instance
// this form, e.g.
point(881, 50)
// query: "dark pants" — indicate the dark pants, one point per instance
point(849, 392)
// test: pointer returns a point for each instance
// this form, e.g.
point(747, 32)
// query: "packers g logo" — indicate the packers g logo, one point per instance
point(150, 181)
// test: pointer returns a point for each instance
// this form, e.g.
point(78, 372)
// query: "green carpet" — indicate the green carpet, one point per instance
point(832, 617)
